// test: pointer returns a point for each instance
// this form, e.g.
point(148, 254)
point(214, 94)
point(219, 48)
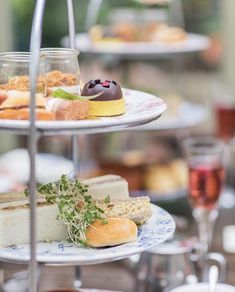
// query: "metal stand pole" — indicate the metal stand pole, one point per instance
point(75, 155)
point(71, 23)
point(176, 13)
point(35, 43)
point(92, 13)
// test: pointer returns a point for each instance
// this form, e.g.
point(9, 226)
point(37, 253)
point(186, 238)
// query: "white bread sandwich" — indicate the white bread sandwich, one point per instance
point(17, 106)
point(110, 185)
point(14, 221)
point(65, 210)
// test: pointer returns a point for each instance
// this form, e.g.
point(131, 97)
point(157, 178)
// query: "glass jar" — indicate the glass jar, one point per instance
point(15, 94)
point(62, 70)
point(14, 73)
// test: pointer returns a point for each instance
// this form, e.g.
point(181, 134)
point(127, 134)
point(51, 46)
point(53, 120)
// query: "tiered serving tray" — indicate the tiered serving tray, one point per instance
point(155, 231)
point(193, 43)
point(141, 108)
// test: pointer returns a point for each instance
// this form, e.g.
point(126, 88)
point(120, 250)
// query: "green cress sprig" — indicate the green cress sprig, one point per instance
point(60, 93)
point(76, 209)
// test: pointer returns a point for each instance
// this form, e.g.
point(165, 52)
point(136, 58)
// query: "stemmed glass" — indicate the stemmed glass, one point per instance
point(224, 109)
point(205, 157)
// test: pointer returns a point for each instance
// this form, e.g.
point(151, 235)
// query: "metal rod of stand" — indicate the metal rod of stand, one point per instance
point(93, 10)
point(71, 23)
point(75, 155)
point(35, 43)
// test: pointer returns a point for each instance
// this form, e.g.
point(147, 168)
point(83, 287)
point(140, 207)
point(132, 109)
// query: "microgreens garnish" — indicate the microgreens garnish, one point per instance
point(76, 208)
point(107, 199)
point(60, 93)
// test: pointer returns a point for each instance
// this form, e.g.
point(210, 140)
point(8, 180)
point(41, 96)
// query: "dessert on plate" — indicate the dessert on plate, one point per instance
point(157, 32)
point(109, 100)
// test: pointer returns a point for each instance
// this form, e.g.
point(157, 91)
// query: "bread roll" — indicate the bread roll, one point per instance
point(116, 231)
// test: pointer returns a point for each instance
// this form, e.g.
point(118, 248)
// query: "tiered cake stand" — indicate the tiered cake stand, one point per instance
point(141, 108)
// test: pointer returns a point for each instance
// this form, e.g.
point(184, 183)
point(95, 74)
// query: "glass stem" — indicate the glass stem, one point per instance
point(205, 220)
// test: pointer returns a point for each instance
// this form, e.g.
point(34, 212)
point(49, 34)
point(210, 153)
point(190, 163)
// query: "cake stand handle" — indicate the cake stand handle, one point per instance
point(71, 23)
point(93, 10)
point(75, 155)
point(35, 44)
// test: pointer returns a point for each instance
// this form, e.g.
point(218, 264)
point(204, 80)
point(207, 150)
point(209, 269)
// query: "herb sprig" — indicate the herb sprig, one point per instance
point(76, 209)
point(60, 93)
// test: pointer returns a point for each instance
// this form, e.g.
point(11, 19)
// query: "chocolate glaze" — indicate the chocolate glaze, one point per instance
point(111, 90)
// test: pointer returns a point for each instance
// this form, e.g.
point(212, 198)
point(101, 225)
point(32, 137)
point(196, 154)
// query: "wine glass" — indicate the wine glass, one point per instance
point(205, 157)
point(224, 107)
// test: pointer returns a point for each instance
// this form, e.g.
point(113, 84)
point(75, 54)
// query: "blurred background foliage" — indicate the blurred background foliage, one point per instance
point(200, 16)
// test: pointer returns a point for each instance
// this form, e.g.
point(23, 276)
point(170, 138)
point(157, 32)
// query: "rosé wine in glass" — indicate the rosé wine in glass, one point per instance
point(205, 184)
point(205, 157)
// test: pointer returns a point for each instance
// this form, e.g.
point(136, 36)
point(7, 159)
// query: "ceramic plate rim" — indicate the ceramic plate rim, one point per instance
point(160, 106)
point(7, 256)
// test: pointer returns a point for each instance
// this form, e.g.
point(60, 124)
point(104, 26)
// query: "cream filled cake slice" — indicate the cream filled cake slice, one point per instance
point(110, 185)
point(14, 222)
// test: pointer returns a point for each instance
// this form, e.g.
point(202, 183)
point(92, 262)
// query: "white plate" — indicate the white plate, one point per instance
point(190, 115)
point(49, 167)
point(193, 43)
point(141, 108)
point(155, 231)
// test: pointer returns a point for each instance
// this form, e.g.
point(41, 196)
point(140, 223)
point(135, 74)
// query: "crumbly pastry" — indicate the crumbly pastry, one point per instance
point(57, 78)
point(135, 209)
point(21, 83)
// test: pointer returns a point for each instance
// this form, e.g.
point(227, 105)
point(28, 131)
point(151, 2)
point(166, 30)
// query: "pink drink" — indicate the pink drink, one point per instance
point(205, 183)
point(225, 121)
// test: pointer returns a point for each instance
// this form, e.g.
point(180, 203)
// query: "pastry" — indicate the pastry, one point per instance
point(114, 231)
point(17, 106)
point(110, 101)
point(66, 81)
point(136, 209)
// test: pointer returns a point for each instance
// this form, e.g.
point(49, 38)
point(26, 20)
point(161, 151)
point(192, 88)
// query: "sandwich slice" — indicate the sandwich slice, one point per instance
point(16, 106)
point(14, 221)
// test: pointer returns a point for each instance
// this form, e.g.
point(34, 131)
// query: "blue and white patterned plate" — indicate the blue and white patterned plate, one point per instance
point(155, 231)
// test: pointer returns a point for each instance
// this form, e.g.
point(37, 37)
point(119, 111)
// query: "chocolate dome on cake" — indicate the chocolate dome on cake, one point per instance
point(111, 90)
point(110, 102)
